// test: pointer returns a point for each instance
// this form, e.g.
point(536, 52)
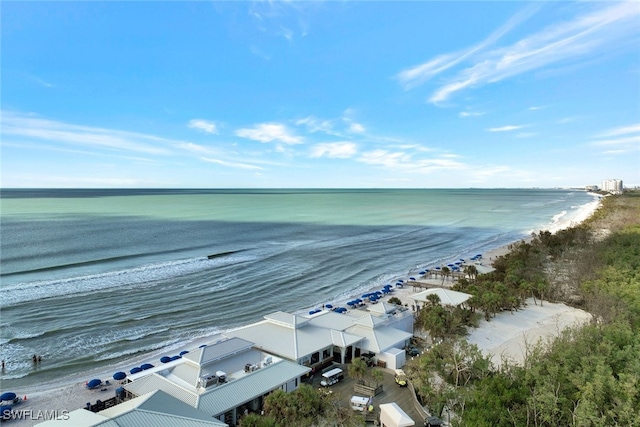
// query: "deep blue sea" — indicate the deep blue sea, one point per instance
point(99, 279)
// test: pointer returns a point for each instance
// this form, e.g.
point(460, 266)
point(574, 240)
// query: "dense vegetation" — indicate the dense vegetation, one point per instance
point(305, 406)
point(588, 376)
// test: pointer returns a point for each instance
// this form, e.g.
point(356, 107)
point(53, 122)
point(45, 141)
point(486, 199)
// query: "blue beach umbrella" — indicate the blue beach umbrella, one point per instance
point(183, 352)
point(329, 306)
point(165, 359)
point(422, 272)
point(146, 366)
point(119, 376)
point(412, 278)
point(202, 346)
point(9, 395)
point(135, 370)
point(94, 383)
point(351, 303)
point(176, 357)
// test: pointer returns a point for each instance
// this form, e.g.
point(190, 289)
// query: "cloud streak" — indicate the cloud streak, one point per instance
point(33, 127)
point(336, 150)
point(203, 125)
point(593, 33)
point(507, 128)
point(269, 132)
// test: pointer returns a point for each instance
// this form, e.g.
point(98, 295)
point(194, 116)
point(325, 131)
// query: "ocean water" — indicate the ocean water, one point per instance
point(94, 280)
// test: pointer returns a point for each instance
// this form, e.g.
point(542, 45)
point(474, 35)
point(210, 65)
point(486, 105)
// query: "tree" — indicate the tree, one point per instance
point(358, 369)
point(472, 271)
point(255, 420)
point(301, 407)
point(445, 273)
point(377, 376)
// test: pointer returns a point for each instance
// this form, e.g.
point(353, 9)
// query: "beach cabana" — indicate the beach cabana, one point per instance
point(447, 296)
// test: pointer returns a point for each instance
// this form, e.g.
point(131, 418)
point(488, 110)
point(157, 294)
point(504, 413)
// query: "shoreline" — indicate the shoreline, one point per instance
point(70, 393)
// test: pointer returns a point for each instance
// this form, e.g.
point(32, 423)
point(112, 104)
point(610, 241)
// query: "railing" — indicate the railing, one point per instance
point(367, 390)
point(101, 405)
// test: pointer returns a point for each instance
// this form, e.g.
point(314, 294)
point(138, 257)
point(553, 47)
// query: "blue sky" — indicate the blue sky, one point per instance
point(320, 94)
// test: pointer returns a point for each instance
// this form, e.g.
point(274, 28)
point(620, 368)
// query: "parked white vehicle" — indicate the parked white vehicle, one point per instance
point(331, 377)
point(362, 404)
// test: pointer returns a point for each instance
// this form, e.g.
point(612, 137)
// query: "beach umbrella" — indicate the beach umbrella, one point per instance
point(165, 359)
point(94, 383)
point(9, 395)
point(365, 296)
point(146, 366)
point(412, 278)
point(183, 352)
point(422, 272)
point(202, 346)
point(329, 306)
point(176, 357)
point(119, 376)
point(135, 370)
point(400, 280)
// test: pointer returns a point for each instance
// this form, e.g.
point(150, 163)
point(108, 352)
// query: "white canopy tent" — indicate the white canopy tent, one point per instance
point(391, 415)
point(447, 296)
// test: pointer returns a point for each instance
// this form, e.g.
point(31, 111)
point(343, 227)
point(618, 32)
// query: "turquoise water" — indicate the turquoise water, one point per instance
point(91, 278)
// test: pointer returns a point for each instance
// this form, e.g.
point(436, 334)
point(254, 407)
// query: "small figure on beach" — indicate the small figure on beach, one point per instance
point(3, 364)
point(35, 359)
point(39, 359)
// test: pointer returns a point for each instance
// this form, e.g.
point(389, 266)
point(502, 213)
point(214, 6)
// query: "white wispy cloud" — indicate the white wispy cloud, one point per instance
point(236, 165)
point(56, 132)
point(507, 128)
point(314, 125)
point(268, 132)
point(599, 31)
point(619, 140)
point(356, 128)
point(419, 74)
point(403, 161)
point(471, 113)
point(635, 128)
point(41, 81)
point(339, 150)
point(203, 125)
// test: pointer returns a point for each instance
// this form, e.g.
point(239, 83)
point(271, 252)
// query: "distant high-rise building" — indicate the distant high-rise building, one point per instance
point(612, 185)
